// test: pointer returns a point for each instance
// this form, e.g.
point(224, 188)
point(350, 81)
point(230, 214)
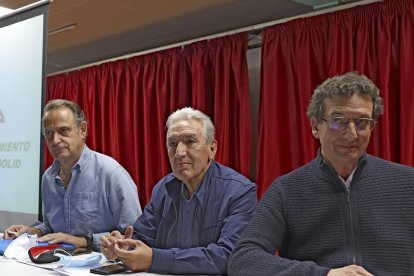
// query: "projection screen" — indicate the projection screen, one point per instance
point(23, 41)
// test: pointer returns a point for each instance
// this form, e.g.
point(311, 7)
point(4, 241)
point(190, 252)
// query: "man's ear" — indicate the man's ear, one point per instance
point(213, 150)
point(83, 127)
point(314, 129)
point(315, 133)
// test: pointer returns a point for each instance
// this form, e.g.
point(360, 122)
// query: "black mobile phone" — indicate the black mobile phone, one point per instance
point(109, 269)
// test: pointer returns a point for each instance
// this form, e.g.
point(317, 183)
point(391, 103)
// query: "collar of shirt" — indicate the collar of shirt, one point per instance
point(320, 160)
point(199, 192)
point(202, 189)
point(357, 172)
point(86, 153)
point(348, 181)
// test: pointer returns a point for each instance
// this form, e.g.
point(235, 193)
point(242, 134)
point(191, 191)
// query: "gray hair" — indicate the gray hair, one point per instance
point(75, 108)
point(188, 114)
point(344, 85)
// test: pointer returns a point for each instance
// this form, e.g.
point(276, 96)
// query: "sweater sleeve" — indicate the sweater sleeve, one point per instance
point(255, 253)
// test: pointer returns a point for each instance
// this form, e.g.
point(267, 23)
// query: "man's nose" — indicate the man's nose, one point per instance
point(56, 137)
point(181, 149)
point(351, 130)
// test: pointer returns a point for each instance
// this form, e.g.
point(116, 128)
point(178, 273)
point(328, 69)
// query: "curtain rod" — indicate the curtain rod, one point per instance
point(257, 27)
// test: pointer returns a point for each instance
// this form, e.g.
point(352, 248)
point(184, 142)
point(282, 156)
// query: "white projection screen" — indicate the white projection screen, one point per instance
point(23, 43)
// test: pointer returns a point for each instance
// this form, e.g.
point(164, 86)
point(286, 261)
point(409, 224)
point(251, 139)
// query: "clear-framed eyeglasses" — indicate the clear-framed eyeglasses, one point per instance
point(340, 123)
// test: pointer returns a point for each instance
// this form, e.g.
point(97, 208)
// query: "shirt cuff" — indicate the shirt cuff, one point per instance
point(42, 227)
point(162, 260)
point(96, 243)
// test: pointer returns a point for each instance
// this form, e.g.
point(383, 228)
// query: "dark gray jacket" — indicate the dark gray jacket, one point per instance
point(316, 224)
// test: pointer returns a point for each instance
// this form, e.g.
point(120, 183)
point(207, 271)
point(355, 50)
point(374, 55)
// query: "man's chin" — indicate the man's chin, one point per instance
point(61, 156)
point(181, 175)
point(59, 151)
point(351, 157)
point(350, 152)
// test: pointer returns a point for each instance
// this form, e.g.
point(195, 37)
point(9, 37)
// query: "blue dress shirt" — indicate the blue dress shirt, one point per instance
point(101, 197)
point(200, 241)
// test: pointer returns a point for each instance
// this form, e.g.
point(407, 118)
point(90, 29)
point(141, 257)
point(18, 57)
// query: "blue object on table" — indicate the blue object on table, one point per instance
point(3, 245)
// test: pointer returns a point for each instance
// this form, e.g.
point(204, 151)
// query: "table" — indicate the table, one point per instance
point(15, 268)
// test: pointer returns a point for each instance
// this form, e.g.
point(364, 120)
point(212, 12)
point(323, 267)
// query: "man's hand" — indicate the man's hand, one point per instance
point(19, 229)
point(65, 238)
point(134, 253)
point(108, 242)
point(349, 270)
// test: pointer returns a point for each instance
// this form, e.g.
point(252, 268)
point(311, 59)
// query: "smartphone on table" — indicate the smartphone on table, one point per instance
point(109, 269)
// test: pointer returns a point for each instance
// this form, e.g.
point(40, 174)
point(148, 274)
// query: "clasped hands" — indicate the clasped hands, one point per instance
point(133, 253)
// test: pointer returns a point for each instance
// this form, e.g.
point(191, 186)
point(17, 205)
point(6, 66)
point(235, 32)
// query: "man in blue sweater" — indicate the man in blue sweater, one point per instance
point(196, 214)
point(344, 213)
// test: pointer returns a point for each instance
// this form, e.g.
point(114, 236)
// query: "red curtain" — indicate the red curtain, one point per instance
point(128, 101)
point(375, 40)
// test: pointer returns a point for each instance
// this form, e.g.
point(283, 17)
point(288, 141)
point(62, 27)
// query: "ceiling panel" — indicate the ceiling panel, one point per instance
point(111, 28)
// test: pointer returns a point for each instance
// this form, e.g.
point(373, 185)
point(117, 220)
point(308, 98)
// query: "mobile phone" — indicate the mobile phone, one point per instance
point(109, 269)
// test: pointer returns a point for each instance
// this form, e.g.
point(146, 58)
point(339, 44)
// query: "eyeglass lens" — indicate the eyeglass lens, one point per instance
point(342, 123)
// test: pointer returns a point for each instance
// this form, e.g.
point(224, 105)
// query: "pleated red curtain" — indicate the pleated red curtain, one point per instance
point(128, 101)
point(375, 40)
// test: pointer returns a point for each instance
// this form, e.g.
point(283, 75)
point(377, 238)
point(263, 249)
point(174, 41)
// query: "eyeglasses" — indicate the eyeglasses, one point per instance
point(340, 123)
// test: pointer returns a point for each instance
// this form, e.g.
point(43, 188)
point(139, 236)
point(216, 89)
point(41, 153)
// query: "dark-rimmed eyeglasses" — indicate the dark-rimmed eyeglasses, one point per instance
point(340, 123)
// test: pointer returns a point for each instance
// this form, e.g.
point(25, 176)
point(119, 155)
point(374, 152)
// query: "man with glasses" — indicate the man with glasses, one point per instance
point(344, 213)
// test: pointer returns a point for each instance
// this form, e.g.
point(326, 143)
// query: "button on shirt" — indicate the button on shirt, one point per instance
point(188, 232)
point(101, 197)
